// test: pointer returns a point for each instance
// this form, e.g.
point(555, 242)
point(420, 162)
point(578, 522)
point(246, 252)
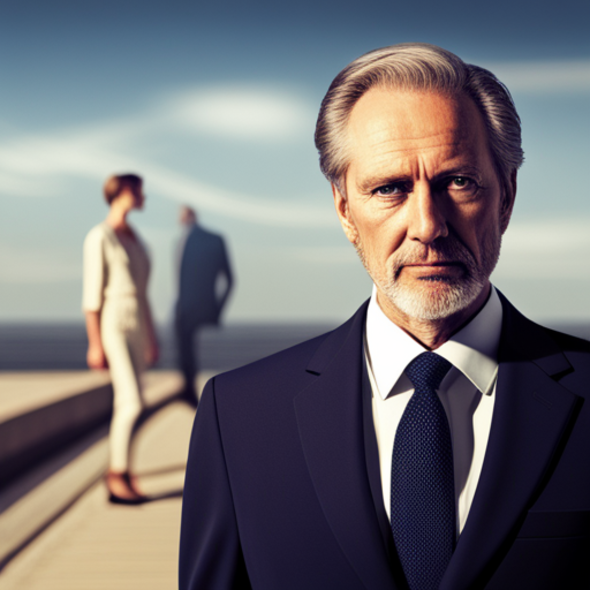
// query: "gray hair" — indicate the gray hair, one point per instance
point(417, 66)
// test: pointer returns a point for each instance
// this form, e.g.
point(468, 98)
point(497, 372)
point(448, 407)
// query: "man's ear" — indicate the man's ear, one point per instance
point(507, 204)
point(343, 211)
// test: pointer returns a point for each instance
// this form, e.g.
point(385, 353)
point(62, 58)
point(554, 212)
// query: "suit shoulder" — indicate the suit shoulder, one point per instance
point(536, 341)
point(574, 376)
point(576, 349)
point(282, 366)
point(202, 232)
point(308, 357)
point(277, 378)
point(266, 387)
point(569, 341)
point(217, 239)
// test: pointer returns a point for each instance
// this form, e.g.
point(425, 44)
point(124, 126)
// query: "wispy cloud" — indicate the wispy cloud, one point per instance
point(242, 112)
point(544, 77)
point(28, 186)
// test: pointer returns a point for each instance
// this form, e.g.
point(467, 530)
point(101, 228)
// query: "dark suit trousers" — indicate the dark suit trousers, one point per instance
point(187, 350)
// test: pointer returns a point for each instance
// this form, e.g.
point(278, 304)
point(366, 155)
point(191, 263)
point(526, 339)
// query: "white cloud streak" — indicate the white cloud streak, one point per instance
point(243, 112)
point(544, 77)
point(26, 186)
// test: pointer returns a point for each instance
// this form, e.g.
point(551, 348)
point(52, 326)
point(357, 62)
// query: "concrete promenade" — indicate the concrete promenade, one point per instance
point(89, 544)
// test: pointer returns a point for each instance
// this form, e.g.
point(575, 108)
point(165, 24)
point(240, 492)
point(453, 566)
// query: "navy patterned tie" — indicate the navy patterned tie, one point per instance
point(422, 481)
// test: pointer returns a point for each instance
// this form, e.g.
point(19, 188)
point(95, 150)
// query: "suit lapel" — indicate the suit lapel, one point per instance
point(533, 416)
point(329, 417)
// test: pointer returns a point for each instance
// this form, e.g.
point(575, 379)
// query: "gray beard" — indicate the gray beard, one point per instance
point(451, 295)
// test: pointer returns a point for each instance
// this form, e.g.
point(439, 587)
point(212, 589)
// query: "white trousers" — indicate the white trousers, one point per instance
point(124, 348)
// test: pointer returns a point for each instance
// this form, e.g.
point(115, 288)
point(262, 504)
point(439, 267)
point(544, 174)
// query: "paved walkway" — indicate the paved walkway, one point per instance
point(99, 546)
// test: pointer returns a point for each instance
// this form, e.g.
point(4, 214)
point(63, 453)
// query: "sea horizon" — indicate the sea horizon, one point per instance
point(61, 345)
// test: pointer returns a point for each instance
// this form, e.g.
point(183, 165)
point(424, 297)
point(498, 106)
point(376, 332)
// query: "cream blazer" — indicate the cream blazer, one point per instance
point(116, 272)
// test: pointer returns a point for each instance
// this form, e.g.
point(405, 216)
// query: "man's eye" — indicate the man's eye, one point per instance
point(389, 190)
point(461, 183)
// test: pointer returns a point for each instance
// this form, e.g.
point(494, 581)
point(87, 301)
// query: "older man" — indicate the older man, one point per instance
point(438, 439)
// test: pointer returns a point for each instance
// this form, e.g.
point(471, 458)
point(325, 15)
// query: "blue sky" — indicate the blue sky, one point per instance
point(215, 105)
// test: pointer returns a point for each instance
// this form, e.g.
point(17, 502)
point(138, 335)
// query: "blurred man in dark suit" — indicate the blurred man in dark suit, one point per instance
point(205, 284)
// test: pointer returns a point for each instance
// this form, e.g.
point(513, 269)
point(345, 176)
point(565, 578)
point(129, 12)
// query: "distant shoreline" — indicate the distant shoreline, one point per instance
point(62, 345)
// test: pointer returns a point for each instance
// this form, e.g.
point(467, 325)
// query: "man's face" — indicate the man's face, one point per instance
point(186, 216)
point(423, 203)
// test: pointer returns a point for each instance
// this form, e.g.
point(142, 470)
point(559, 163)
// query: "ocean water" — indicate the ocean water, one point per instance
point(46, 347)
point(62, 346)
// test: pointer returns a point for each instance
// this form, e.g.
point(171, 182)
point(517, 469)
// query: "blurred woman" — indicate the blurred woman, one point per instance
point(121, 333)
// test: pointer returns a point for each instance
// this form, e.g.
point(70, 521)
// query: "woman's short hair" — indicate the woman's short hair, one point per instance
point(117, 183)
point(422, 67)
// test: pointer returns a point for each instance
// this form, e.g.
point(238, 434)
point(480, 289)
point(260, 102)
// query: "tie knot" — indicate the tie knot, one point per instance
point(427, 370)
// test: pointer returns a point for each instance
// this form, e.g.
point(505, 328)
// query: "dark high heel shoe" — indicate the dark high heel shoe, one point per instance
point(127, 501)
point(122, 489)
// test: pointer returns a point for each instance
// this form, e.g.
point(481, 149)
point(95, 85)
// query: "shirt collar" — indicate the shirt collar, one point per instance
point(473, 350)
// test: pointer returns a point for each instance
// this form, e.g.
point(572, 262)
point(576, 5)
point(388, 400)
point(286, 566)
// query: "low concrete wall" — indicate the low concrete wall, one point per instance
point(31, 437)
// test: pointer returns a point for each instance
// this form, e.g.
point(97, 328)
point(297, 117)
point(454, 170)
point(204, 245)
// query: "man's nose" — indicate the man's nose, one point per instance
point(427, 220)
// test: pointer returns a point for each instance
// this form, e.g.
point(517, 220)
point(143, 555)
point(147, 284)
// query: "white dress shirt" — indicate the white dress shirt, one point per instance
point(467, 392)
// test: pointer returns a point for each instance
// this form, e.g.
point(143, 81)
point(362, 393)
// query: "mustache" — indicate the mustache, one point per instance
point(442, 250)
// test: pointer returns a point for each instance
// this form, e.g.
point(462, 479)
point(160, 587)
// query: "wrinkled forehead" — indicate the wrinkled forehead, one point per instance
point(412, 117)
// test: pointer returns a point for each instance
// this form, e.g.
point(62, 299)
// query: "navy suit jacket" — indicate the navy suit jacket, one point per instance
point(282, 488)
point(204, 259)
